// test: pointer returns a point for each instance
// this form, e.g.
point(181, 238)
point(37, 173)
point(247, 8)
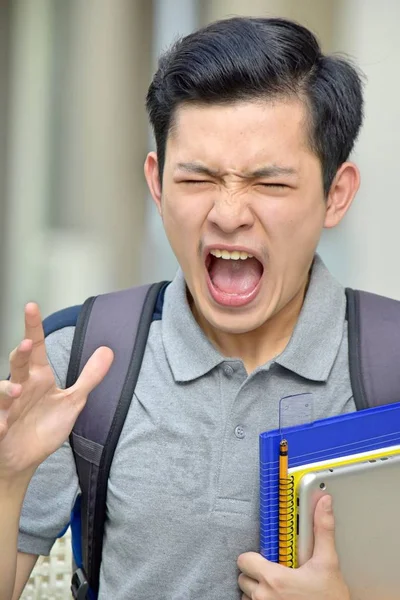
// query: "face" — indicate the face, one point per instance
point(243, 207)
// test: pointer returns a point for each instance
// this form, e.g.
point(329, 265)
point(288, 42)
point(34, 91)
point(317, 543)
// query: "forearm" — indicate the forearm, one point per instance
point(11, 497)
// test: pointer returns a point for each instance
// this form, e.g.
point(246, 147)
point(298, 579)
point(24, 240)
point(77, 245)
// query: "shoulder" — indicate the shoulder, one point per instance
point(67, 317)
point(59, 329)
point(369, 304)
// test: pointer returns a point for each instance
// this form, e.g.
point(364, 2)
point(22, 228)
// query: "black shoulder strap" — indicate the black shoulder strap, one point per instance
point(374, 348)
point(121, 321)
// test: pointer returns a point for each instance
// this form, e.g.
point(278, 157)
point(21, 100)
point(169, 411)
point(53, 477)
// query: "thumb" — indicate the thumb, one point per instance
point(93, 372)
point(324, 533)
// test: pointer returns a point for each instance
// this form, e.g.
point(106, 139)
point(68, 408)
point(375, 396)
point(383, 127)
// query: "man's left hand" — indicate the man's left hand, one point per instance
point(317, 579)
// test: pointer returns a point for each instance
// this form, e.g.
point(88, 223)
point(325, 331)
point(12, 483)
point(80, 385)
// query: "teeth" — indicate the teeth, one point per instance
point(216, 253)
point(226, 255)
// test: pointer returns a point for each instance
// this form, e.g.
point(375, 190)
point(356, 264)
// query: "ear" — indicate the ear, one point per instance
point(342, 193)
point(153, 178)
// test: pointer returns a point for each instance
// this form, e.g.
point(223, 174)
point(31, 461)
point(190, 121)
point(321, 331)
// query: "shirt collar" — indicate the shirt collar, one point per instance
point(315, 342)
point(310, 353)
point(189, 352)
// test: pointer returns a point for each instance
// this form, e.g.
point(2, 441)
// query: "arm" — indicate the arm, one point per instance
point(15, 569)
point(25, 564)
point(36, 418)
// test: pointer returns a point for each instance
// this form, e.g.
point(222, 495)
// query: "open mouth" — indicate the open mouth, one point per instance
point(234, 277)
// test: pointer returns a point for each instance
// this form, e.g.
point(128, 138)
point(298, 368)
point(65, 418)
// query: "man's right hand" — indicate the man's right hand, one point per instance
point(36, 417)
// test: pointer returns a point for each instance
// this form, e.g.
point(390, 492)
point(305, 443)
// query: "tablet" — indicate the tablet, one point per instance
point(366, 503)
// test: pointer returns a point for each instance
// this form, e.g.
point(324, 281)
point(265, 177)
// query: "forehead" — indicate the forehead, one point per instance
point(240, 135)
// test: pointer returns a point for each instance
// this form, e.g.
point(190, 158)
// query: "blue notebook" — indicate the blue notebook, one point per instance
point(325, 439)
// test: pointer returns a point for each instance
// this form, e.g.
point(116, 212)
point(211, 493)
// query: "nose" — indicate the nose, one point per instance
point(230, 213)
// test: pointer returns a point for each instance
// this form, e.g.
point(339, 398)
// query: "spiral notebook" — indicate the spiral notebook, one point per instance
point(322, 440)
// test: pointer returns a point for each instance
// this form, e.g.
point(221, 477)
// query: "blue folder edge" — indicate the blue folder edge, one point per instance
point(324, 439)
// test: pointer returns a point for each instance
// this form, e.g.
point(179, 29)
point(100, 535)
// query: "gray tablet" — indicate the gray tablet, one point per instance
point(366, 504)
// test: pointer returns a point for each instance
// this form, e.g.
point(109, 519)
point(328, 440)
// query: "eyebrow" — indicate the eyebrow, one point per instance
point(267, 171)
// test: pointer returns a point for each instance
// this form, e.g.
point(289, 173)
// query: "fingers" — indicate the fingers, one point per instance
point(20, 362)
point(257, 567)
point(8, 393)
point(34, 331)
point(247, 585)
point(32, 350)
point(93, 373)
point(324, 533)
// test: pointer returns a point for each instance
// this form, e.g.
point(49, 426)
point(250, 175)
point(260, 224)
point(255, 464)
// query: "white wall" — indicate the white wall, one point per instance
point(364, 251)
point(28, 161)
point(171, 19)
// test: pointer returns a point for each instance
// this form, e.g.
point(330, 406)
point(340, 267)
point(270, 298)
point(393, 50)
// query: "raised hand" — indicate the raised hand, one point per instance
point(36, 417)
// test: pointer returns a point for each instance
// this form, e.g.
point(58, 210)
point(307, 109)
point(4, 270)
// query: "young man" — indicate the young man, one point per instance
point(254, 127)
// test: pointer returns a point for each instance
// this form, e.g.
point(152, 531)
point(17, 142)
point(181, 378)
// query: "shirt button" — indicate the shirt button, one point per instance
point(239, 432)
point(228, 370)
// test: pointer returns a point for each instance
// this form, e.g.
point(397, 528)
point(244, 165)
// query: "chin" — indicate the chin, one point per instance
point(232, 322)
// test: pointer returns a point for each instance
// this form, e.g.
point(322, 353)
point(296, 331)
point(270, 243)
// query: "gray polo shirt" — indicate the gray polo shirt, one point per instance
point(182, 498)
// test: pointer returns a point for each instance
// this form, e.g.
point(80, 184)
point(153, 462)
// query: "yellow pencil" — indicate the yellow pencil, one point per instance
point(285, 557)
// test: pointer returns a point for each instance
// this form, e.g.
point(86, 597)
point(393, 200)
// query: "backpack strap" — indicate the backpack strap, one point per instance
point(374, 348)
point(120, 320)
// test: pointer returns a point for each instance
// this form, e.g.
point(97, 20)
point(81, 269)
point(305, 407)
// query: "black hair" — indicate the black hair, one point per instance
point(242, 59)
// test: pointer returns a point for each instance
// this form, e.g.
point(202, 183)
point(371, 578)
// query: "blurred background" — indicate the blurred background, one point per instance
point(75, 216)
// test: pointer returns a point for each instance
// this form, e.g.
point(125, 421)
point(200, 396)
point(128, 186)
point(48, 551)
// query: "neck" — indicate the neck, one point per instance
point(255, 348)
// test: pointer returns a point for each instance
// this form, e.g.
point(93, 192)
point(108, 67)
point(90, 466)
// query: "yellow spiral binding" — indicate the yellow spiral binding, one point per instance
point(286, 521)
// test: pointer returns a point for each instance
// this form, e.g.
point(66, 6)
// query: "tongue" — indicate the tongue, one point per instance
point(235, 276)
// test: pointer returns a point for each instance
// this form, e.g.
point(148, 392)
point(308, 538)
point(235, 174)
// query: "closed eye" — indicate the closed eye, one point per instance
point(196, 181)
point(273, 185)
